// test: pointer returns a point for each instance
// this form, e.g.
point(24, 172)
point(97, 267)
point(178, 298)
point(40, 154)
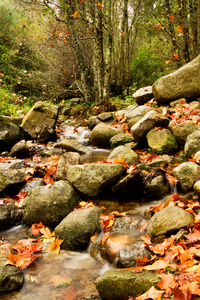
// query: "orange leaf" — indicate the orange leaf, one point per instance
point(176, 56)
point(160, 248)
point(70, 293)
point(155, 209)
point(193, 287)
point(167, 282)
point(146, 239)
point(100, 5)
point(105, 237)
point(157, 265)
point(193, 237)
point(57, 280)
point(152, 293)
point(35, 228)
point(123, 34)
point(76, 14)
point(179, 29)
point(171, 17)
point(179, 295)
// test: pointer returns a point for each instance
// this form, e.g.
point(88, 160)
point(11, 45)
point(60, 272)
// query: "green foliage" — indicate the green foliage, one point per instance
point(13, 104)
point(146, 67)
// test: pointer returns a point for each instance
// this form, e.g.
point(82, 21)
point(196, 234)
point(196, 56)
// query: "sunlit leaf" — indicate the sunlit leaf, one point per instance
point(55, 246)
point(152, 293)
point(167, 282)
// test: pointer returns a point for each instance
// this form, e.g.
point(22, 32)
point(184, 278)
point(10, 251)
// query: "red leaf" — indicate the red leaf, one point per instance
point(179, 295)
point(70, 293)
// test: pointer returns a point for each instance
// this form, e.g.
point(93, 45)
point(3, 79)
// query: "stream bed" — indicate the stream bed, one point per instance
point(70, 275)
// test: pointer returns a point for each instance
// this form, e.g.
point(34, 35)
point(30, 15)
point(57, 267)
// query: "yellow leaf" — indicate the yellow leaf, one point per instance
point(46, 233)
point(55, 246)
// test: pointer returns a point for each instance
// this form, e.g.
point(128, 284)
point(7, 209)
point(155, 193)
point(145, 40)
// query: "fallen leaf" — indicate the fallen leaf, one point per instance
point(167, 282)
point(58, 280)
point(157, 265)
point(55, 246)
point(179, 295)
point(70, 293)
point(152, 293)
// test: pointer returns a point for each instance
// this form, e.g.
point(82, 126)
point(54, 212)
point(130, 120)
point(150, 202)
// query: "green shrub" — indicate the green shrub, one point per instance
point(146, 67)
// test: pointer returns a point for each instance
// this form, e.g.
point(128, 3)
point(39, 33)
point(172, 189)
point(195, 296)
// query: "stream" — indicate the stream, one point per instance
point(78, 267)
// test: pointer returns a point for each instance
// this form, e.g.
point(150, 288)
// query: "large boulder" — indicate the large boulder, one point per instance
point(130, 185)
point(66, 160)
point(11, 179)
point(162, 141)
point(11, 278)
point(74, 146)
point(121, 139)
point(40, 121)
point(182, 131)
point(115, 284)
point(91, 179)
point(129, 156)
point(137, 111)
point(187, 173)
point(9, 134)
point(143, 95)
point(146, 123)
point(128, 255)
point(49, 205)
point(157, 187)
point(168, 220)
point(77, 228)
point(102, 133)
point(184, 82)
point(192, 144)
point(20, 150)
point(10, 214)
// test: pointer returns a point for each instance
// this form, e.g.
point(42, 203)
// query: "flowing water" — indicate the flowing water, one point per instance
point(77, 268)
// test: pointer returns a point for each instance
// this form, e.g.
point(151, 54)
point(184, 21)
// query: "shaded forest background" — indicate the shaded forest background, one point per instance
point(99, 50)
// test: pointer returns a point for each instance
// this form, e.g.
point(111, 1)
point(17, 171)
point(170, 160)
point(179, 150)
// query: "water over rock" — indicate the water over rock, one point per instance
point(168, 220)
point(91, 179)
point(49, 205)
point(184, 82)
